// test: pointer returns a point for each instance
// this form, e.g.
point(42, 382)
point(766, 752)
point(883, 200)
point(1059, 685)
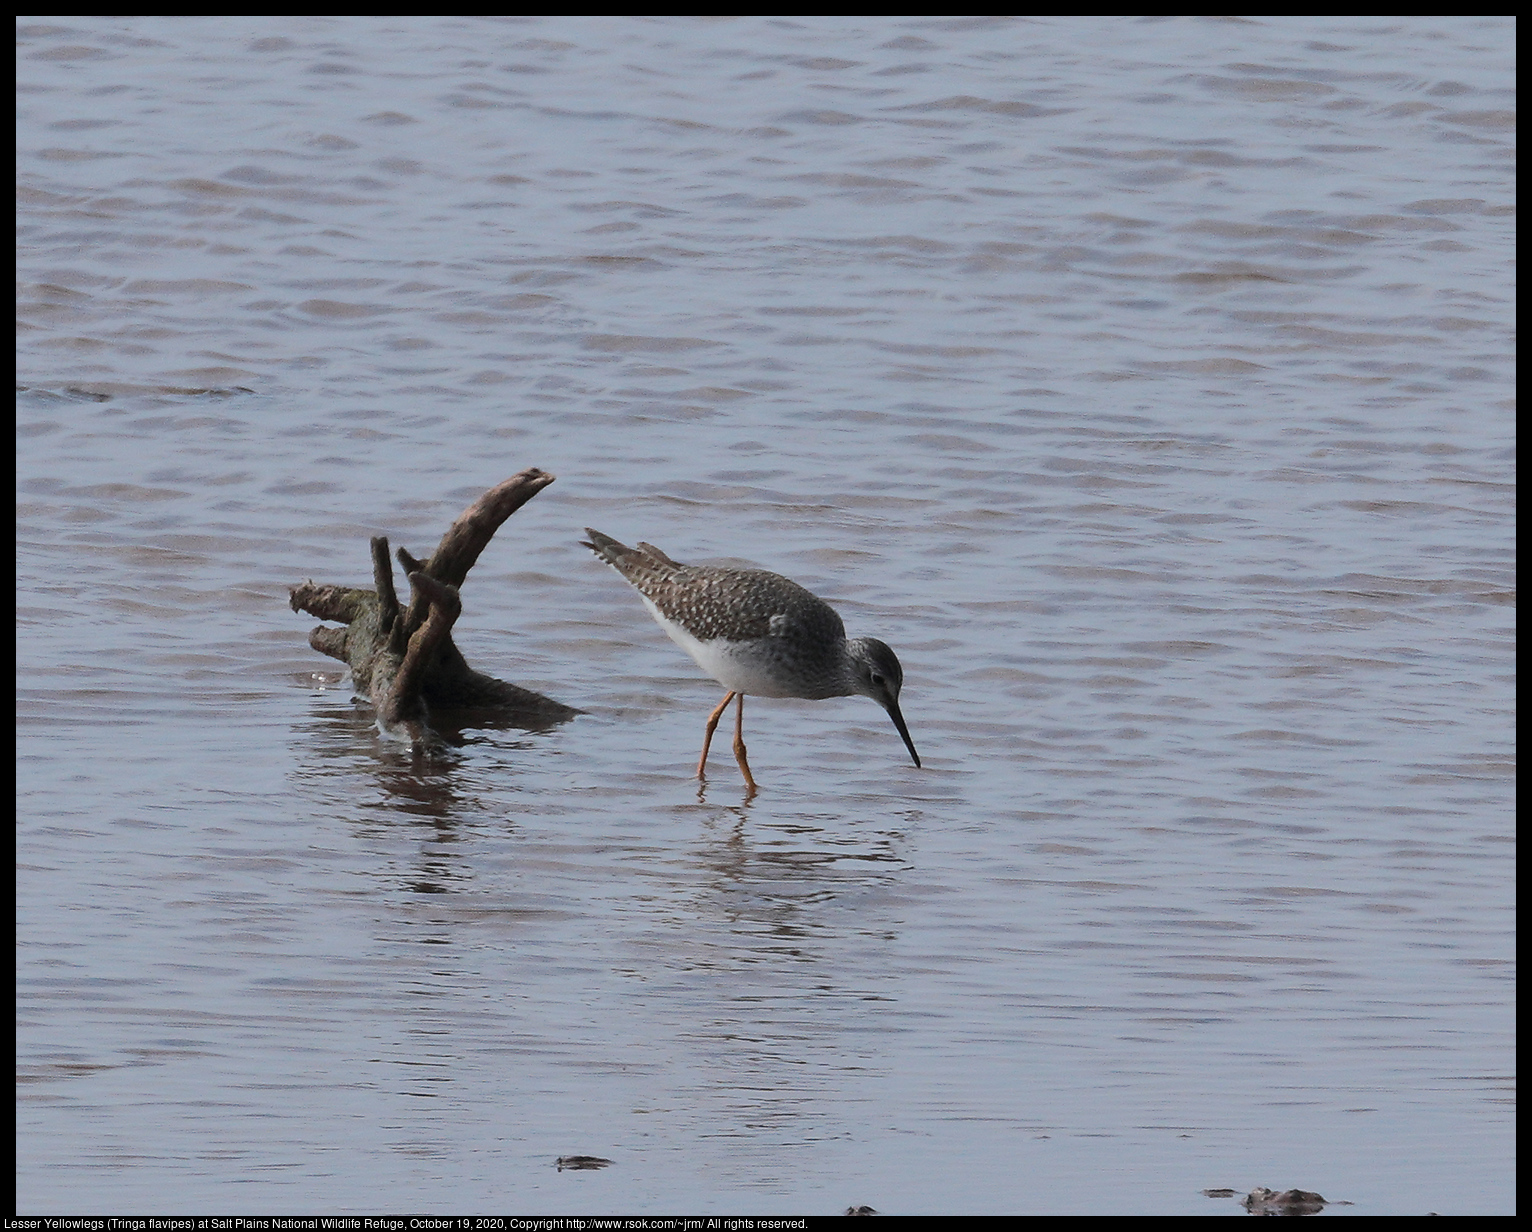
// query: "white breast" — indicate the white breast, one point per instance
point(729, 663)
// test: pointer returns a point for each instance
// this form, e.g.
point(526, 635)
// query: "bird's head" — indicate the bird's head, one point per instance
point(875, 673)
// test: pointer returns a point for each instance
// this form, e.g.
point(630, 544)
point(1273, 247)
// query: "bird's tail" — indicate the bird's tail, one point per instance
point(645, 558)
point(607, 548)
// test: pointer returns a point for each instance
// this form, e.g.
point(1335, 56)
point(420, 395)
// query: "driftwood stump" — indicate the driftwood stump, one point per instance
point(403, 659)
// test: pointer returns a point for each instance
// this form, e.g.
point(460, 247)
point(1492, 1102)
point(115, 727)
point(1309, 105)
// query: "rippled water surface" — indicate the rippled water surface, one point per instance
point(1144, 382)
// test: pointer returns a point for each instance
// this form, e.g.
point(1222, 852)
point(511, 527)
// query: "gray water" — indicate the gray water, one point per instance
point(1144, 382)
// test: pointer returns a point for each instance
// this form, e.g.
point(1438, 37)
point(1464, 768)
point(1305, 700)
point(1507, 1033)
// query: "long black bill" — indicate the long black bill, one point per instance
point(893, 713)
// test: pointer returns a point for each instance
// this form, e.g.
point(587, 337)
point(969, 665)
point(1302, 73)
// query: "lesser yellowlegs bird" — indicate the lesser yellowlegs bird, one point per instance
point(756, 632)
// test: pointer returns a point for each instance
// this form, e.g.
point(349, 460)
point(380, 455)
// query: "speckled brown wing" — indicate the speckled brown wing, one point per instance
point(737, 604)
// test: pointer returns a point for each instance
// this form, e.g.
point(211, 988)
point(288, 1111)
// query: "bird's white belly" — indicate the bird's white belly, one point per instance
point(726, 662)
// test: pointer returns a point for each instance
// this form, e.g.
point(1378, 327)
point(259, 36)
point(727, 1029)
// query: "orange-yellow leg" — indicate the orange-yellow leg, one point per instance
point(712, 726)
point(739, 745)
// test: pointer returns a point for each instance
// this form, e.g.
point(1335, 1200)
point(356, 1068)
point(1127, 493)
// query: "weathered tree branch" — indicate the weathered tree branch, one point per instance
point(404, 659)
